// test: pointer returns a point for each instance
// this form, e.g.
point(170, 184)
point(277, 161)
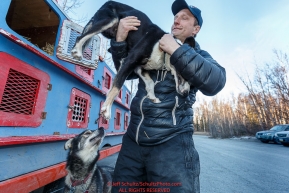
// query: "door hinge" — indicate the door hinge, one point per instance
point(43, 115)
point(49, 87)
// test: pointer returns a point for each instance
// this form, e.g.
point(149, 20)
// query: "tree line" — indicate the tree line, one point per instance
point(264, 104)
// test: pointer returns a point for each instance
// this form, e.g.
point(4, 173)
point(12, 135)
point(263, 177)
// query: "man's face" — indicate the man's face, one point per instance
point(183, 26)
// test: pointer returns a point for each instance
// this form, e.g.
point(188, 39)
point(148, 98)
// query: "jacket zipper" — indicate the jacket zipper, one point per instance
point(174, 111)
point(142, 118)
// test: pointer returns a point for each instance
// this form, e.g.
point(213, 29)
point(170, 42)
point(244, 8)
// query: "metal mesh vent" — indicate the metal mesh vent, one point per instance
point(86, 70)
point(79, 109)
point(87, 52)
point(19, 93)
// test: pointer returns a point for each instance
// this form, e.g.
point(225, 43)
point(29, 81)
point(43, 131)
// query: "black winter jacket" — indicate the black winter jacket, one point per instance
point(154, 123)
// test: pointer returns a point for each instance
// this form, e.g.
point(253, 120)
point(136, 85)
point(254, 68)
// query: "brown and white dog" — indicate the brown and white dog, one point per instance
point(83, 173)
point(143, 50)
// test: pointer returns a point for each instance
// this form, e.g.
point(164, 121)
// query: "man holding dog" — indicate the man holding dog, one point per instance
point(158, 152)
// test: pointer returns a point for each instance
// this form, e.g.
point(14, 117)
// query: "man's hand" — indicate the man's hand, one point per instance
point(168, 44)
point(125, 25)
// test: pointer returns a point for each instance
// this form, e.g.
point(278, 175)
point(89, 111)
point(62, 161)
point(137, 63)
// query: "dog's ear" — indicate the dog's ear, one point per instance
point(191, 41)
point(68, 144)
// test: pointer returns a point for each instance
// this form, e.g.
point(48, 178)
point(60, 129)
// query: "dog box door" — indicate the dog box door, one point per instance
point(23, 92)
point(78, 113)
point(69, 32)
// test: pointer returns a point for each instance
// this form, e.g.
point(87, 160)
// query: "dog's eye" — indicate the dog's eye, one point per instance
point(87, 133)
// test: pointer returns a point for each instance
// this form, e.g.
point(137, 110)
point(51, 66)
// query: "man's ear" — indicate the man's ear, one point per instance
point(196, 29)
point(68, 144)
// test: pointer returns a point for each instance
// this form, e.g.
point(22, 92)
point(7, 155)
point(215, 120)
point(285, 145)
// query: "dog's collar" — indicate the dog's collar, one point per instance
point(79, 182)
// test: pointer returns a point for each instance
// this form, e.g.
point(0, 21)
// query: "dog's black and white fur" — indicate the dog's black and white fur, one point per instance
point(143, 50)
point(83, 173)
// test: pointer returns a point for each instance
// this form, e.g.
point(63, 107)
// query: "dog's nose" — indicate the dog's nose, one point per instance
point(101, 131)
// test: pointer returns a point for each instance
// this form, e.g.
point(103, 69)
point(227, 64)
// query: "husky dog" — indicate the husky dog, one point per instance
point(143, 50)
point(83, 173)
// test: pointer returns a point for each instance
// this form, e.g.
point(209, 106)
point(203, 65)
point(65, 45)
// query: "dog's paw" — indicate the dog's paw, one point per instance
point(76, 54)
point(184, 89)
point(105, 112)
point(156, 100)
point(153, 98)
point(184, 93)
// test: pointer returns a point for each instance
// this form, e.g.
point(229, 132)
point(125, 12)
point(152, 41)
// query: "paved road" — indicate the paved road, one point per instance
point(239, 166)
point(242, 166)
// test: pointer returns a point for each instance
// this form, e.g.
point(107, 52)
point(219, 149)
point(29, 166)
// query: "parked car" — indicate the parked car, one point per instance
point(269, 135)
point(283, 137)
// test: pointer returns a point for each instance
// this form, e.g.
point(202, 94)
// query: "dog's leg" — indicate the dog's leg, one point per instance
point(174, 73)
point(126, 69)
point(76, 52)
point(88, 26)
point(148, 82)
point(117, 84)
point(171, 68)
point(182, 86)
point(89, 32)
point(139, 52)
point(105, 110)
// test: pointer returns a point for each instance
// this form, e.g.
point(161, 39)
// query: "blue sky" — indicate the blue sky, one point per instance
point(237, 33)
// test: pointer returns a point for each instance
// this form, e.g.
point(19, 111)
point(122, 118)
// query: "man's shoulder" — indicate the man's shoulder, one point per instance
point(203, 53)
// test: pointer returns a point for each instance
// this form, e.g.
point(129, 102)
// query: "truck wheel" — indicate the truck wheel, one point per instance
point(276, 140)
